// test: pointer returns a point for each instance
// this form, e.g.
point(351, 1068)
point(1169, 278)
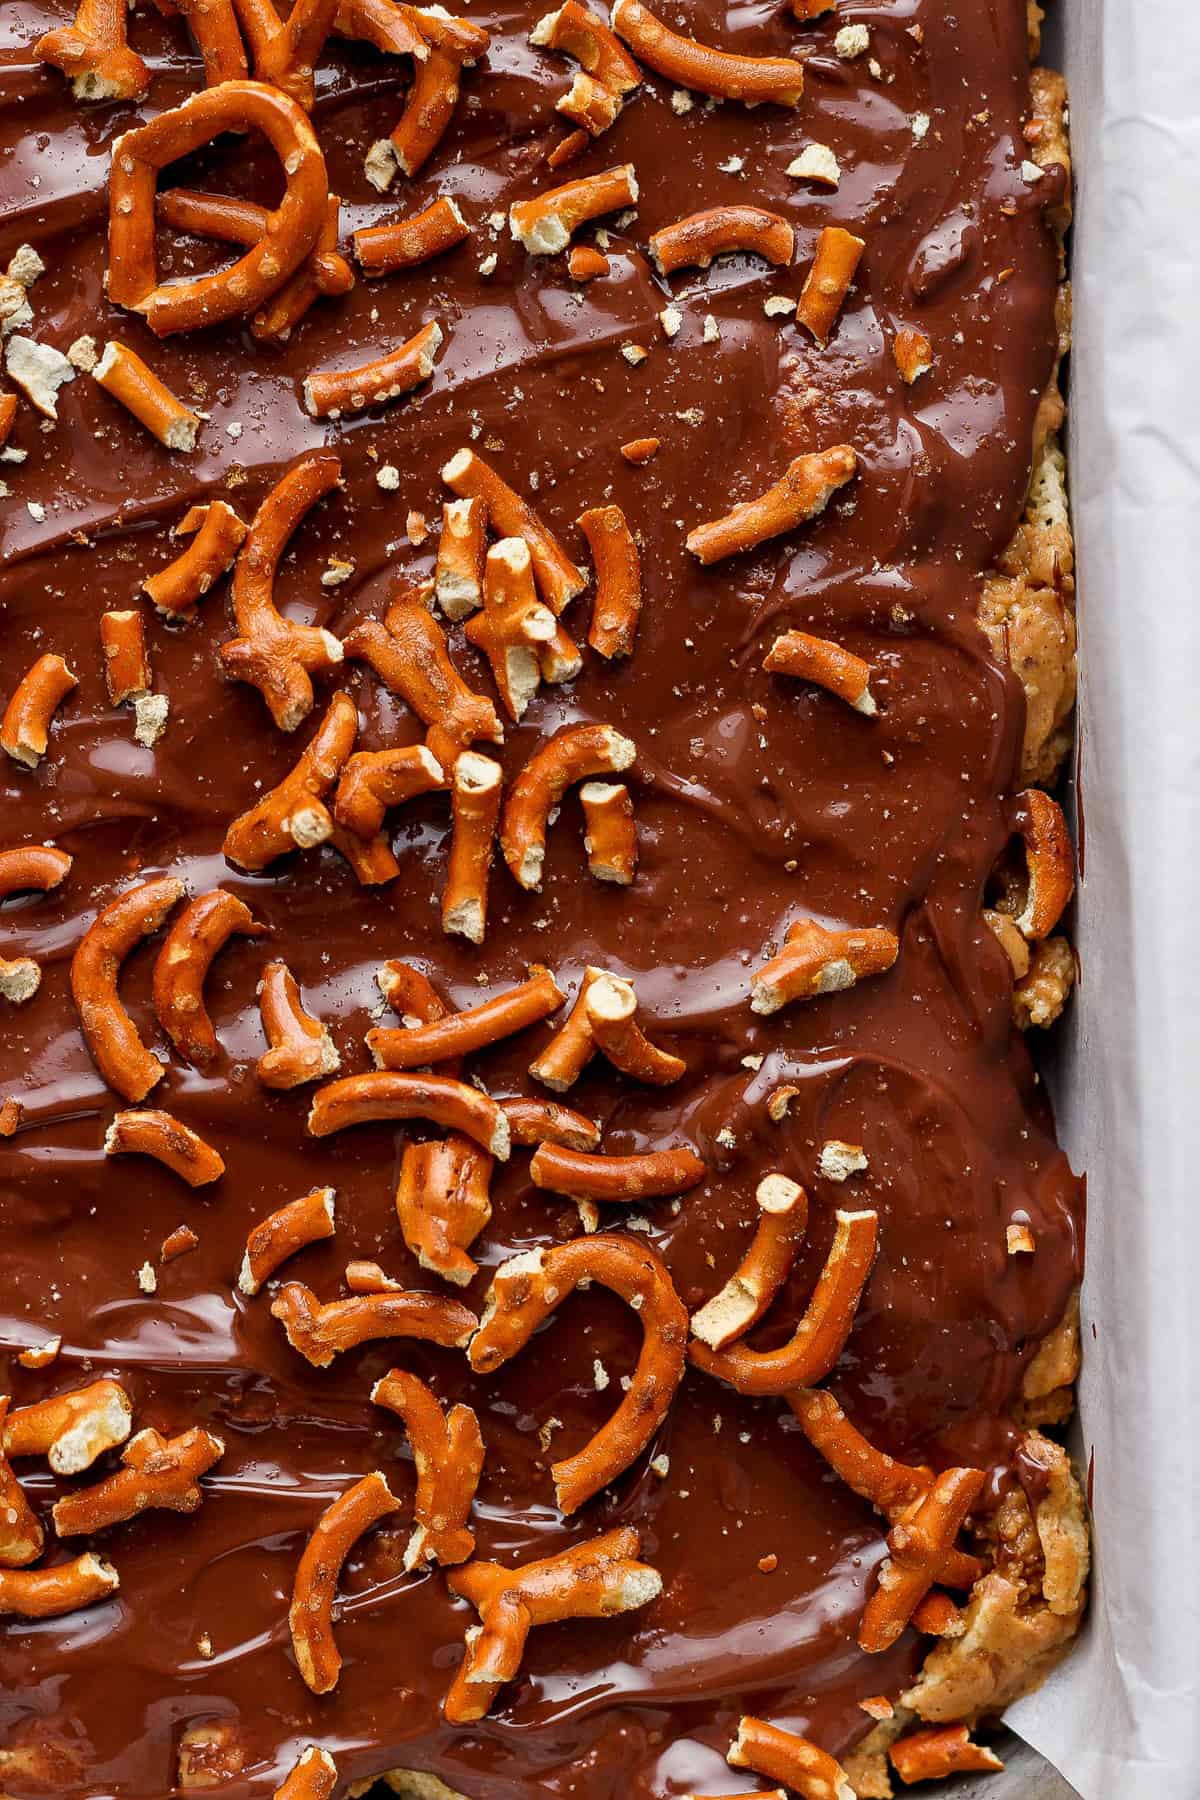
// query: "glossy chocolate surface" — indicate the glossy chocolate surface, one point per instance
point(758, 800)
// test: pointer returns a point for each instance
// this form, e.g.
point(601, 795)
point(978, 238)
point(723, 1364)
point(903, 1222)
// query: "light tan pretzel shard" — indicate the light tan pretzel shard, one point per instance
point(313, 1777)
point(94, 54)
point(320, 1333)
point(25, 728)
point(693, 242)
point(533, 1122)
point(822, 661)
point(310, 1616)
point(940, 1752)
point(373, 780)
point(609, 832)
point(461, 1033)
point(301, 1047)
point(546, 224)
point(618, 603)
point(810, 1773)
point(741, 1303)
point(703, 69)
point(126, 659)
point(558, 578)
point(1050, 862)
point(189, 949)
point(917, 1547)
point(591, 1179)
point(594, 1580)
point(528, 1288)
point(451, 45)
point(272, 653)
point(611, 1003)
point(117, 1050)
point(828, 280)
point(447, 1450)
point(157, 1472)
point(331, 393)
point(21, 1535)
point(912, 353)
point(34, 868)
point(169, 1141)
point(574, 753)
point(293, 816)
point(217, 534)
point(286, 51)
point(409, 654)
point(514, 630)
point(365, 1099)
point(475, 811)
point(70, 1430)
point(123, 374)
point(462, 551)
point(66, 1588)
point(815, 961)
point(820, 1336)
point(292, 227)
point(283, 1233)
point(405, 243)
point(443, 1202)
point(802, 492)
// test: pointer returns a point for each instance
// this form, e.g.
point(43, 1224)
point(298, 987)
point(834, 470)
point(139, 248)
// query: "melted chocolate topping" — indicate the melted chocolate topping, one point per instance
point(758, 800)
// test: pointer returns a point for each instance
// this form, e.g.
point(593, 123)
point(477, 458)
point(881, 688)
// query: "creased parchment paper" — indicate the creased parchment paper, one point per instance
point(1121, 1718)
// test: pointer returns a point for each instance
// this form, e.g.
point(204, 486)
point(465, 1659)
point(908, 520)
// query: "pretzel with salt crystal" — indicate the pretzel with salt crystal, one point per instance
point(701, 68)
point(169, 1141)
point(611, 1005)
point(572, 1047)
point(21, 1537)
point(319, 1333)
point(11, 1113)
point(126, 658)
point(475, 795)
point(213, 24)
point(609, 831)
point(217, 534)
point(383, 24)
point(828, 281)
point(36, 868)
point(816, 961)
point(912, 353)
point(189, 949)
point(272, 653)
point(156, 1472)
point(586, 263)
point(292, 226)
point(368, 1099)
point(313, 1777)
point(741, 1303)
point(590, 105)
point(574, 753)
point(461, 556)
point(25, 728)
point(415, 998)
point(593, 1580)
point(618, 602)
point(590, 1179)
point(607, 66)
point(533, 1122)
point(116, 1049)
point(452, 45)
point(528, 1288)
point(405, 243)
point(331, 393)
point(1050, 862)
point(293, 816)
point(462, 1033)
point(917, 1547)
point(94, 54)
point(520, 637)
point(820, 660)
point(301, 1048)
point(286, 51)
point(282, 1234)
point(780, 1755)
point(123, 374)
point(558, 578)
point(802, 492)
point(936, 1754)
point(50, 1593)
point(547, 223)
point(447, 1450)
point(374, 780)
point(693, 242)
point(310, 1616)
point(443, 1202)
point(70, 1430)
point(820, 1336)
point(371, 859)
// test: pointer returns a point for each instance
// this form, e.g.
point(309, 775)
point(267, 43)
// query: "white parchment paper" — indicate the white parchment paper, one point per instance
point(1121, 1719)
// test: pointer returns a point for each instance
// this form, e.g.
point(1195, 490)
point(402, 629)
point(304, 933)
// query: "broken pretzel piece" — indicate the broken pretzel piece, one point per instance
point(310, 1616)
point(694, 242)
point(301, 1047)
point(741, 1303)
point(558, 578)
point(618, 603)
point(35, 868)
point(1050, 862)
point(25, 728)
point(447, 1450)
point(514, 629)
point(285, 1232)
point(475, 795)
point(117, 1051)
point(461, 1033)
point(293, 815)
point(94, 54)
point(443, 1202)
point(331, 393)
point(126, 658)
point(157, 1472)
point(50, 1593)
point(367, 1099)
point(405, 243)
point(609, 831)
point(611, 1004)
point(21, 1536)
point(917, 1545)
point(822, 661)
point(815, 961)
point(937, 1754)
point(828, 280)
point(591, 1179)
point(70, 1430)
point(313, 1777)
point(810, 1773)
point(608, 73)
point(447, 47)
point(189, 949)
point(374, 780)
point(169, 1141)
point(123, 374)
point(319, 1333)
point(546, 224)
point(802, 492)
point(462, 550)
point(575, 753)
point(286, 51)
point(703, 69)
point(217, 534)
point(913, 354)
point(533, 1122)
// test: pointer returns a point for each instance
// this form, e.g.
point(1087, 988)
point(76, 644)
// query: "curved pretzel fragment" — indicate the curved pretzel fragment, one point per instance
point(217, 534)
point(513, 628)
point(705, 70)
point(116, 1049)
point(301, 1048)
point(286, 51)
point(373, 780)
point(293, 816)
point(70, 1430)
point(66, 1588)
point(283, 1233)
point(414, 997)
point(310, 1617)
point(189, 949)
point(528, 1288)
point(693, 242)
point(332, 393)
point(367, 1099)
point(123, 374)
point(1050, 861)
point(409, 654)
point(912, 353)
point(887, 1483)
point(475, 795)
point(936, 1754)
point(784, 1756)
point(157, 1472)
point(574, 753)
point(25, 728)
point(609, 831)
point(313, 1777)
point(820, 660)
point(462, 1033)
point(36, 868)
point(572, 1047)
point(462, 551)
point(292, 227)
point(741, 1303)
point(618, 603)
point(320, 1333)
point(405, 243)
point(578, 32)
point(815, 961)
point(272, 653)
point(588, 1178)
point(94, 54)
point(820, 1336)
point(546, 224)
point(533, 1122)
point(611, 1005)
point(169, 1141)
point(589, 104)
point(447, 1450)
point(382, 23)
point(443, 1202)
point(917, 1545)
point(558, 578)
point(21, 1536)
point(828, 280)
point(802, 492)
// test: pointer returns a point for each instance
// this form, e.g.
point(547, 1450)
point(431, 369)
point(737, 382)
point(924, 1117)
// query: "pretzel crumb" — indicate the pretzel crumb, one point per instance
point(1019, 1240)
point(39, 370)
point(818, 164)
point(851, 41)
point(838, 1161)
